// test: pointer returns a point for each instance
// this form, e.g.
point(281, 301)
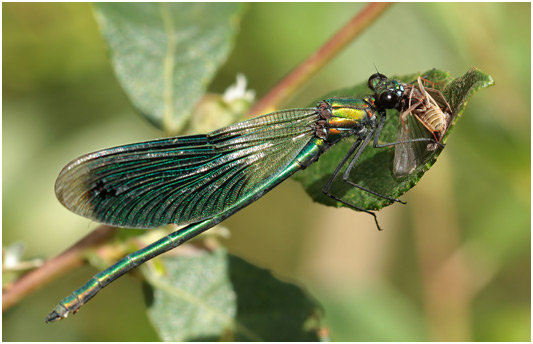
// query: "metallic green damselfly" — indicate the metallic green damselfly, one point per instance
point(201, 180)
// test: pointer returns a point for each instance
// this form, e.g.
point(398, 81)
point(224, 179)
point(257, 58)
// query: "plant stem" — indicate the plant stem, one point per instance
point(301, 74)
point(66, 261)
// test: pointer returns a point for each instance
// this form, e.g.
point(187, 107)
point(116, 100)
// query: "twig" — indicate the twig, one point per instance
point(295, 79)
point(66, 261)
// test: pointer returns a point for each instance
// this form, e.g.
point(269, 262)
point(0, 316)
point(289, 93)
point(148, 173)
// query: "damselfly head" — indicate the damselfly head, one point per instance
point(376, 81)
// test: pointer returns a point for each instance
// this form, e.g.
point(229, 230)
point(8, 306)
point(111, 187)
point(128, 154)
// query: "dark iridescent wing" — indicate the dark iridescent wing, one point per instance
point(183, 179)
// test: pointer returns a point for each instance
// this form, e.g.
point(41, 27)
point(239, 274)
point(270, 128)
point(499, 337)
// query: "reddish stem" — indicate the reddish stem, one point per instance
point(295, 79)
point(66, 261)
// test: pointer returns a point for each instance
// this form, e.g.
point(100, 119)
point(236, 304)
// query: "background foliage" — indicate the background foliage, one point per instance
point(454, 264)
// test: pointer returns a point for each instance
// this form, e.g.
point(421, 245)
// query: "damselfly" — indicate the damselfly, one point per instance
point(424, 111)
point(201, 180)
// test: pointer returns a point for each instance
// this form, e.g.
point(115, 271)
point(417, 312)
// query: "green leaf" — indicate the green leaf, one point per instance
point(214, 296)
point(165, 54)
point(374, 168)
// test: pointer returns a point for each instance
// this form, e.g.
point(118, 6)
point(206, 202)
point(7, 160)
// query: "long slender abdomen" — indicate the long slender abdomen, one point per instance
point(73, 302)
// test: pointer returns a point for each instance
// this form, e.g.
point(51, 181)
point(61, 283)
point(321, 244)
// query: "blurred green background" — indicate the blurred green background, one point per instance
point(454, 264)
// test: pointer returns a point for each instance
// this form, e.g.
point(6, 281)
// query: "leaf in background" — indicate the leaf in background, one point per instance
point(215, 296)
point(165, 54)
point(374, 168)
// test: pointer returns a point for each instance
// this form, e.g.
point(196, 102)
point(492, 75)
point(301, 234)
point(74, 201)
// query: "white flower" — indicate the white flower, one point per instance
point(238, 91)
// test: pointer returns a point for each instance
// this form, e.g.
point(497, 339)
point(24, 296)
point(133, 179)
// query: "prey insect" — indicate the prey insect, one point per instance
point(424, 112)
